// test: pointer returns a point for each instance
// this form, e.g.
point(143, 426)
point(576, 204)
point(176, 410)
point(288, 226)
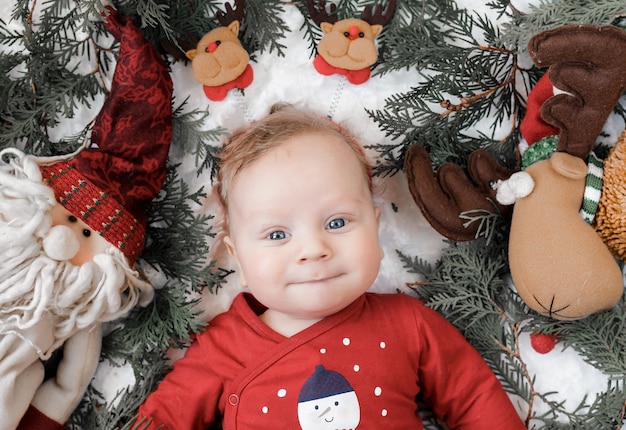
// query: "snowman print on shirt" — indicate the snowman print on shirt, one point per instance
point(328, 401)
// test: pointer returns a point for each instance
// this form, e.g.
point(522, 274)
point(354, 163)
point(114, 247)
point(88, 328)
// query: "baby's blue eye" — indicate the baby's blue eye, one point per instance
point(277, 235)
point(336, 223)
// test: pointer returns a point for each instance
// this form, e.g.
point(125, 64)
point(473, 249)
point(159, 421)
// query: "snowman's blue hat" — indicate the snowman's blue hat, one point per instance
point(323, 383)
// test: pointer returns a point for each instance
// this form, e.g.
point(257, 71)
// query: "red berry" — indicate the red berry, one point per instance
point(542, 343)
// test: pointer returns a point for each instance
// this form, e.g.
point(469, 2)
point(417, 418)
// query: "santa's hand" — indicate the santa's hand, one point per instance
point(58, 397)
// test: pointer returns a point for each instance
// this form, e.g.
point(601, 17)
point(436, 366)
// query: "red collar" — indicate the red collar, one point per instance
point(219, 92)
point(354, 76)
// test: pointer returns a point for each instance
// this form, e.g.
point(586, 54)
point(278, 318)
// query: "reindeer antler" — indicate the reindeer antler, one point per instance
point(231, 14)
point(182, 45)
point(319, 14)
point(379, 16)
point(593, 76)
point(443, 197)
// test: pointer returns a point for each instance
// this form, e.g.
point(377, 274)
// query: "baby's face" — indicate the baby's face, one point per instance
point(304, 228)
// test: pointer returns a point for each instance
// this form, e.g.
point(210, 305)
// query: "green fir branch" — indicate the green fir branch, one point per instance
point(488, 222)
point(178, 238)
point(419, 36)
point(28, 117)
point(467, 285)
point(517, 31)
point(41, 87)
point(166, 322)
point(95, 414)
point(312, 32)
point(512, 374)
point(463, 82)
point(189, 133)
point(264, 27)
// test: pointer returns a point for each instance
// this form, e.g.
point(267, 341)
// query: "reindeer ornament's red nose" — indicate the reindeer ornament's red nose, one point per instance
point(211, 47)
point(354, 32)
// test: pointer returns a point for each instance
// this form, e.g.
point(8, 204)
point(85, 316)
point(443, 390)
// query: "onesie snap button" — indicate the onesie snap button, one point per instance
point(233, 400)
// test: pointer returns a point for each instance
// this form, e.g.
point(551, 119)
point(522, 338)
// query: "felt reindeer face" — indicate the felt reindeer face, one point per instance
point(347, 46)
point(219, 56)
point(219, 60)
point(349, 43)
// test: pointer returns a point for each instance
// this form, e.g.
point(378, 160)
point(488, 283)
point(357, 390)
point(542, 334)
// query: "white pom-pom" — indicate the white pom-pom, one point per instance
point(60, 243)
point(519, 185)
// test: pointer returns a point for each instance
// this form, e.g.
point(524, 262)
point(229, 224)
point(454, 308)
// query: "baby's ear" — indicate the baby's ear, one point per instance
point(230, 246)
point(377, 213)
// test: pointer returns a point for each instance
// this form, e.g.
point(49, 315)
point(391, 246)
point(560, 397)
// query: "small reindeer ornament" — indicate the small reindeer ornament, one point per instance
point(347, 47)
point(219, 61)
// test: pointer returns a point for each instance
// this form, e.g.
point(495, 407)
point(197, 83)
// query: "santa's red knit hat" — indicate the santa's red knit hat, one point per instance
point(108, 184)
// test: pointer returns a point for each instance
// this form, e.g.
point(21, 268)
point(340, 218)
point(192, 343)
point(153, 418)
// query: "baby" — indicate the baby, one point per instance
point(308, 347)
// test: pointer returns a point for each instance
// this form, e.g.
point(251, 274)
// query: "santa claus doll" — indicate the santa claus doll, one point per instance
point(71, 230)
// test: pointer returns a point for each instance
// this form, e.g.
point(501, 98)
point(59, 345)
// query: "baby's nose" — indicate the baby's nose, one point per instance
point(60, 243)
point(314, 248)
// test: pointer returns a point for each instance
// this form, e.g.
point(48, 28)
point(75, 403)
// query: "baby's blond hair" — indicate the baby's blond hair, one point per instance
point(284, 122)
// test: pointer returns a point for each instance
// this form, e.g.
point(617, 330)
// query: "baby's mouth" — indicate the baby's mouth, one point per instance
point(317, 279)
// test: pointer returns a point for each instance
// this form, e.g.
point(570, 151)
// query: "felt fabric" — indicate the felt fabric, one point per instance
point(589, 63)
point(220, 62)
point(444, 197)
point(55, 400)
point(354, 76)
point(347, 46)
point(219, 92)
point(545, 147)
point(349, 43)
point(533, 127)
point(109, 184)
point(571, 274)
point(255, 378)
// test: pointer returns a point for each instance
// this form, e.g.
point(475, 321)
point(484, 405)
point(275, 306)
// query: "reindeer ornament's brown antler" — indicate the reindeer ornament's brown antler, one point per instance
point(588, 63)
point(445, 197)
point(560, 267)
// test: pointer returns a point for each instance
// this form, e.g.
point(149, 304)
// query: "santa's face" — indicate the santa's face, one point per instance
point(54, 265)
point(81, 243)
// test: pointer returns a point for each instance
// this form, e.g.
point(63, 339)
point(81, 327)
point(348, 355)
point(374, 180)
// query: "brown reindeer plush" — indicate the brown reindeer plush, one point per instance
point(347, 46)
point(559, 264)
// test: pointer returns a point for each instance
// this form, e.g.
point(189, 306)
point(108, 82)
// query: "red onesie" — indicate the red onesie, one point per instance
point(360, 368)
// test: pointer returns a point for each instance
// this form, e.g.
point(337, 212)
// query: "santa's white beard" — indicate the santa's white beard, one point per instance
point(35, 288)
